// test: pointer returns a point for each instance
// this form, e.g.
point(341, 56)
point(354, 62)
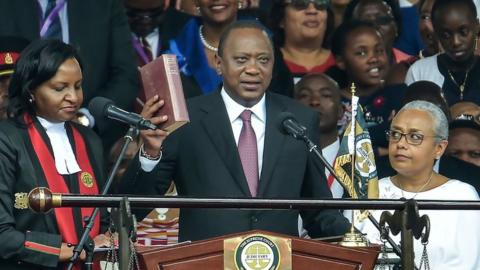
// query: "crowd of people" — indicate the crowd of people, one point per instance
point(413, 64)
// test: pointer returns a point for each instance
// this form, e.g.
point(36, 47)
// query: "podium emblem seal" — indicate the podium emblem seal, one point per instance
point(257, 253)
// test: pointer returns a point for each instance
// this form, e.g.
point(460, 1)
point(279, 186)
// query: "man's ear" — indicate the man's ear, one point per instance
point(218, 64)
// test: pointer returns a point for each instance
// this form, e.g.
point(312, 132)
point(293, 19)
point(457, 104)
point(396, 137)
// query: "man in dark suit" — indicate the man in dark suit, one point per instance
point(99, 30)
point(204, 160)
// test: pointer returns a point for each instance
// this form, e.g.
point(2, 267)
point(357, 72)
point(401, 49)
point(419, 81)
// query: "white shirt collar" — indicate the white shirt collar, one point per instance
point(234, 109)
point(49, 126)
point(65, 161)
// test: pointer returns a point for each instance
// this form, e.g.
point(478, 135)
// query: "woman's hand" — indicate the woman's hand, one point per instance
point(66, 252)
point(102, 240)
point(153, 139)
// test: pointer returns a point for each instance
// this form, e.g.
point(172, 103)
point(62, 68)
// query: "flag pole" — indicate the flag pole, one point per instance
point(353, 238)
point(352, 133)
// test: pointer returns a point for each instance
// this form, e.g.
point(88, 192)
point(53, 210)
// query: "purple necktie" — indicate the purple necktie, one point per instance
point(55, 29)
point(247, 148)
point(147, 48)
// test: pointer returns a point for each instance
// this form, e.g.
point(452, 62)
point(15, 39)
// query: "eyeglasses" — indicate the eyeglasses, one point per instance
point(411, 138)
point(303, 4)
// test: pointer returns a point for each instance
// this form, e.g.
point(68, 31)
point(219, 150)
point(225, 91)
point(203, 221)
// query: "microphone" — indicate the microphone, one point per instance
point(103, 108)
point(288, 124)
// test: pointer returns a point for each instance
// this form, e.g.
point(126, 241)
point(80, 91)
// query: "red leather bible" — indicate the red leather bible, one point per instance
point(161, 77)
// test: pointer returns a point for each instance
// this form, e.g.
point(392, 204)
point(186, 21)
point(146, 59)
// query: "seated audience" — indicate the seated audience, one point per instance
point(145, 18)
point(385, 15)
point(301, 30)
point(409, 40)
point(398, 71)
point(360, 54)
point(417, 137)
point(456, 70)
point(430, 41)
point(197, 44)
point(338, 9)
point(464, 137)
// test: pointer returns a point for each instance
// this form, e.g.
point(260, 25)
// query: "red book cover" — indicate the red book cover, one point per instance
point(161, 77)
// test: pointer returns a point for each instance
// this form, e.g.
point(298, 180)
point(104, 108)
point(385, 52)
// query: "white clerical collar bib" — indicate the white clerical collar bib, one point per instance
point(65, 160)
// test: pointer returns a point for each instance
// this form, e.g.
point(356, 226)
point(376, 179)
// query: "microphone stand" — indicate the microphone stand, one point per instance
point(84, 242)
point(312, 147)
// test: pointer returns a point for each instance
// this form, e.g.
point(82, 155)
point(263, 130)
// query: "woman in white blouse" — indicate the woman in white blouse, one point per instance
point(417, 137)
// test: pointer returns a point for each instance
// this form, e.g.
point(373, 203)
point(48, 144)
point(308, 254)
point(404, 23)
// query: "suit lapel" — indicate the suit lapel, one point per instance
point(272, 143)
point(218, 127)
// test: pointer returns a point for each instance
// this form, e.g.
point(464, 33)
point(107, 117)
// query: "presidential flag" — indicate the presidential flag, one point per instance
point(356, 143)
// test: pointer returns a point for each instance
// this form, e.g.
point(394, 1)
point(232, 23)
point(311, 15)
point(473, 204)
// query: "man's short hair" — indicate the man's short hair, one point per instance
point(252, 24)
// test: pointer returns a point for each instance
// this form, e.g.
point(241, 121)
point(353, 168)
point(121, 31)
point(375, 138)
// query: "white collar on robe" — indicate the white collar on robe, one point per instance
point(65, 160)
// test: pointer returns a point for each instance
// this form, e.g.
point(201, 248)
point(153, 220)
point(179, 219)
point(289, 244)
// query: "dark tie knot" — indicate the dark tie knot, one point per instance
point(246, 115)
point(144, 42)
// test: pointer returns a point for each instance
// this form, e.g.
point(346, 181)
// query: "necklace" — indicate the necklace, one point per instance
point(420, 54)
point(204, 41)
point(460, 86)
point(420, 189)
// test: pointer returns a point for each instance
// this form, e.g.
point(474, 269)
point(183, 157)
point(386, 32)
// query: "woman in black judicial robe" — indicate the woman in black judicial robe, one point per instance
point(41, 147)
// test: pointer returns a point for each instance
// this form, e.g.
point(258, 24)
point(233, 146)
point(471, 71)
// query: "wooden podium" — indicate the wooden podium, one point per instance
point(306, 254)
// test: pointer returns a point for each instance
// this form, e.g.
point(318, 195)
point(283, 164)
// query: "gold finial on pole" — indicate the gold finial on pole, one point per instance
point(353, 89)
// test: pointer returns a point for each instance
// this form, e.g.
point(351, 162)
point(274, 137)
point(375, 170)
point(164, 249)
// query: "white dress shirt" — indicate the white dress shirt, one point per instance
point(330, 153)
point(259, 114)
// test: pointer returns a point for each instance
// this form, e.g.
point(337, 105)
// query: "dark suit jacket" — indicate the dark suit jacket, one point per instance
point(20, 171)
point(450, 167)
point(203, 160)
point(99, 30)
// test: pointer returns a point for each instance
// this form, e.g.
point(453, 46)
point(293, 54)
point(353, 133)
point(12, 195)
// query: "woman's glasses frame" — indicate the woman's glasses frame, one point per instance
point(411, 138)
point(303, 4)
